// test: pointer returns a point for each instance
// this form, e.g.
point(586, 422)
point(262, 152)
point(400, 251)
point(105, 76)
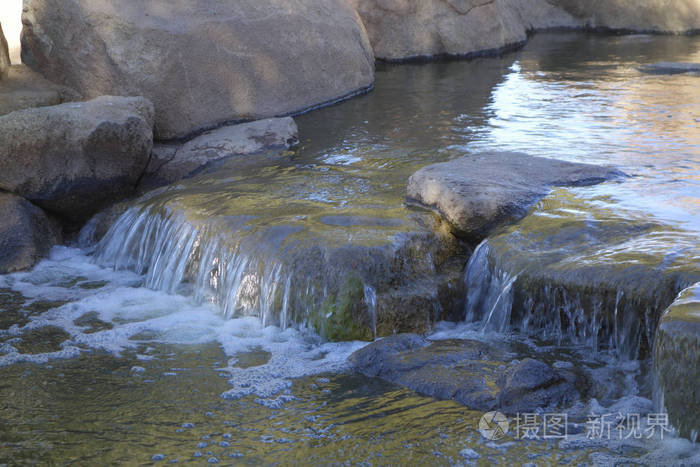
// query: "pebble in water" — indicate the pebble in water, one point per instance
point(157, 457)
point(469, 453)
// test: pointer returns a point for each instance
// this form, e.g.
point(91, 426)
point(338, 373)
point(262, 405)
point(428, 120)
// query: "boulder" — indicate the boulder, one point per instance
point(24, 88)
point(4, 55)
point(172, 162)
point(679, 16)
point(72, 159)
point(405, 29)
point(26, 234)
point(671, 68)
point(478, 193)
point(476, 374)
point(677, 361)
point(203, 62)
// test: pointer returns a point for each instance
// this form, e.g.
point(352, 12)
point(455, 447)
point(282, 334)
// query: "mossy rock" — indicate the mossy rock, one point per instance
point(677, 361)
point(344, 316)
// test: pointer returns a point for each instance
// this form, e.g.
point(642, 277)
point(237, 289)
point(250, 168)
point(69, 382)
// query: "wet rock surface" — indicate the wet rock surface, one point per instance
point(76, 157)
point(577, 270)
point(677, 361)
point(172, 162)
point(478, 193)
point(203, 63)
point(481, 376)
point(26, 234)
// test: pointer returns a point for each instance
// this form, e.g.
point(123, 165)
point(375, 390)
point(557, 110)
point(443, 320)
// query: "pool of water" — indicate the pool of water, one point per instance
point(169, 360)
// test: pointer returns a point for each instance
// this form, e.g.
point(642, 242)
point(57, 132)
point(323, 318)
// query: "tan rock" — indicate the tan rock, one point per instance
point(25, 89)
point(72, 159)
point(677, 16)
point(202, 62)
point(477, 193)
point(402, 29)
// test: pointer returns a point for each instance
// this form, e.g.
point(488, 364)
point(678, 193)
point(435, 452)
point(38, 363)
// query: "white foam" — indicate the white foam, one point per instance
point(139, 315)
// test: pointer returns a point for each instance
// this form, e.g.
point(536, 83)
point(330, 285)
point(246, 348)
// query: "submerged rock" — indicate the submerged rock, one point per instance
point(205, 62)
point(172, 162)
point(481, 376)
point(478, 193)
point(677, 362)
point(26, 234)
point(579, 271)
point(72, 159)
point(671, 68)
point(4, 55)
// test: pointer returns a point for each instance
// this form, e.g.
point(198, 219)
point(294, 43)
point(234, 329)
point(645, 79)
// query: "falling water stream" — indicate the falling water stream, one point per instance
point(190, 331)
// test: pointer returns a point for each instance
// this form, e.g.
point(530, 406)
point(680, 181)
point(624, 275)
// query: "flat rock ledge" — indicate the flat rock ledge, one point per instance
point(478, 193)
point(478, 375)
point(677, 361)
point(172, 162)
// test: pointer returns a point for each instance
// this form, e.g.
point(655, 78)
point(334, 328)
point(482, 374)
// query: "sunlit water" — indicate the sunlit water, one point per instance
point(98, 369)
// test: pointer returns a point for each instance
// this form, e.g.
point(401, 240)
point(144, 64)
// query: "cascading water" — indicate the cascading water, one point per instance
point(177, 256)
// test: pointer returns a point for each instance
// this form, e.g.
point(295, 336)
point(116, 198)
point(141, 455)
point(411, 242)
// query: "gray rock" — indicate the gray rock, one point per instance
point(671, 68)
point(26, 234)
point(470, 372)
point(677, 361)
point(4, 55)
point(23, 88)
point(76, 157)
point(172, 162)
point(204, 62)
point(478, 193)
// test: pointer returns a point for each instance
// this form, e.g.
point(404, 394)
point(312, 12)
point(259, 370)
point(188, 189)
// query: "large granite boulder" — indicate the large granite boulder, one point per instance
point(24, 88)
point(404, 29)
point(203, 62)
point(477, 193)
point(4, 55)
point(72, 159)
point(481, 376)
point(678, 16)
point(26, 233)
point(677, 361)
point(172, 162)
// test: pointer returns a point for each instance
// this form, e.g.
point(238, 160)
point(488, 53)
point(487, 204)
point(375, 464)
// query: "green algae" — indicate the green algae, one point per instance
point(344, 317)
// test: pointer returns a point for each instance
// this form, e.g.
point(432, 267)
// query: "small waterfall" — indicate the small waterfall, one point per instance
point(233, 267)
point(502, 300)
point(177, 256)
point(371, 301)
